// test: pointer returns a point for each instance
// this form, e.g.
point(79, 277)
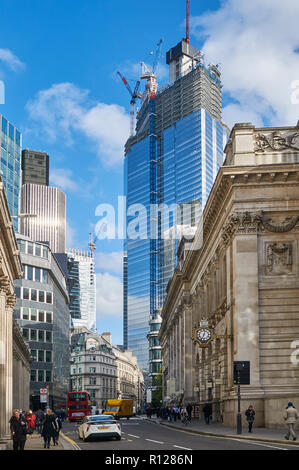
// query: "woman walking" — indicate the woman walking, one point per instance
point(250, 413)
point(49, 429)
point(30, 419)
point(18, 429)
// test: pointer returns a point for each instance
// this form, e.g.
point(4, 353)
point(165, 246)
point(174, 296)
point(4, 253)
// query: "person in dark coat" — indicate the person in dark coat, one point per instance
point(49, 428)
point(189, 411)
point(58, 428)
point(18, 429)
point(207, 413)
point(250, 413)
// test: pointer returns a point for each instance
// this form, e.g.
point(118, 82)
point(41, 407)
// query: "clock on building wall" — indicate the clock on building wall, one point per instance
point(202, 335)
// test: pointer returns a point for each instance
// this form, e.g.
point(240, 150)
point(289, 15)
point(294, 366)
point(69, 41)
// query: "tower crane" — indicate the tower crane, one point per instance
point(150, 73)
point(134, 95)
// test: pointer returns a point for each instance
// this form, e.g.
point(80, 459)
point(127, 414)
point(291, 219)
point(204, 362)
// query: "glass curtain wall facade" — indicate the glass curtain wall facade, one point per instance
point(10, 165)
point(173, 160)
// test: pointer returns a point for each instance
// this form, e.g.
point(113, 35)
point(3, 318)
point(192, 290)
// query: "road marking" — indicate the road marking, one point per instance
point(179, 447)
point(259, 444)
point(132, 435)
point(157, 442)
point(74, 444)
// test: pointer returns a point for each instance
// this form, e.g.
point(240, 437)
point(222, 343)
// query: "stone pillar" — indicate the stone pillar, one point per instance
point(188, 352)
point(4, 429)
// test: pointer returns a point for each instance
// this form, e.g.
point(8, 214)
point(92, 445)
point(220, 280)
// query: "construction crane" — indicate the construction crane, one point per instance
point(134, 95)
point(187, 39)
point(91, 244)
point(150, 73)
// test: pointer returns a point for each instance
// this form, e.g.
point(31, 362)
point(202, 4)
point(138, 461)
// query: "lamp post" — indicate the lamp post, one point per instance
point(239, 416)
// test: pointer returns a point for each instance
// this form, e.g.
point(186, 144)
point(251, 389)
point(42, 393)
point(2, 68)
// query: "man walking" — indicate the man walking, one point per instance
point(18, 429)
point(189, 411)
point(290, 416)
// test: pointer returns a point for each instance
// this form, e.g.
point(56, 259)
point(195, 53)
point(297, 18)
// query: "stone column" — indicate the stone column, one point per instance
point(3, 366)
point(188, 352)
point(11, 301)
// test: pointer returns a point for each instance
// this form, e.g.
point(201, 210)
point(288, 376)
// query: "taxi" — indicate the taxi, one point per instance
point(99, 426)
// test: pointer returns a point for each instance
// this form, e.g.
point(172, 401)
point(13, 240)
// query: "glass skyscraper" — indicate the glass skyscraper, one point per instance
point(10, 165)
point(173, 160)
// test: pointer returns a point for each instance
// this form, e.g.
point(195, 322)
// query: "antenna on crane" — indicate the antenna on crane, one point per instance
point(91, 244)
point(187, 22)
point(134, 94)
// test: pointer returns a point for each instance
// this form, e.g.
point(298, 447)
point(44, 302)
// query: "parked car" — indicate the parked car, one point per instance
point(99, 426)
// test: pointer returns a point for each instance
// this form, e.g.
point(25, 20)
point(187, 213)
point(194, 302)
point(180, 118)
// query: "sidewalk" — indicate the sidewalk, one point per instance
point(218, 430)
point(37, 443)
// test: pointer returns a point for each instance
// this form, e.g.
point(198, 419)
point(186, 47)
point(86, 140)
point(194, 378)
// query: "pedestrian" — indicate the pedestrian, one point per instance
point(18, 429)
point(207, 413)
point(49, 428)
point(30, 420)
point(39, 420)
point(250, 414)
point(58, 428)
point(290, 416)
point(189, 411)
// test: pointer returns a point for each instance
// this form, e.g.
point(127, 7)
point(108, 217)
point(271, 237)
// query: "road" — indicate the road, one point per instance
point(140, 434)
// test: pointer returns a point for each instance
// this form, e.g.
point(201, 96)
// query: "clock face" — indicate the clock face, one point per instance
point(204, 335)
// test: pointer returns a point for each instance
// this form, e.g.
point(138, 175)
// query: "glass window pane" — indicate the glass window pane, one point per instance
point(37, 274)
point(48, 375)
point(25, 313)
point(30, 248)
point(41, 316)
point(41, 296)
point(45, 252)
point(25, 293)
point(37, 250)
point(34, 295)
point(40, 376)
point(41, 335)
point(33, 354)
point(48, 356)
point(49, 317)
point(18, 292)
point(45, 276)
point(33, 314)
point(30, 273)
point(48, 336)
point(49, 297)
point(26, 334)
point(33, 335)
point(41, 356)
point(33, 375)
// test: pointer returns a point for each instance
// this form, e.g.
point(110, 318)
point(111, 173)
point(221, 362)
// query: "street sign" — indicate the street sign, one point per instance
point(43, 391)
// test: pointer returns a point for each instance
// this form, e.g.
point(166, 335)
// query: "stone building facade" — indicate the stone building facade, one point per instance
point(10, 269)
point(21, 370)
point(234, 295)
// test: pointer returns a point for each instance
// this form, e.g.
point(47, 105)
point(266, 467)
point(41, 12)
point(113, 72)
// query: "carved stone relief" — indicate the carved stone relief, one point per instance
point(279, 258)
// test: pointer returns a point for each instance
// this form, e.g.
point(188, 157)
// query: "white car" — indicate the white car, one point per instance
point(98, 426)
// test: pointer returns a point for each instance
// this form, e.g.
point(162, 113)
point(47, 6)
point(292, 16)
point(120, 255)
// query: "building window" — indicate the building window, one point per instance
point(25, 313)
point(41, 356)
point(45, 276)
point(49, 317)
point(40, 376)
point(26, 334)
point(49, 298)
point(49, 336)
point(29, 273)
point(92, 370)
point(34, 295)
point(41, 316)
point(92, 381)
point(30, 248)
point(92, 393)
point(25, 293)
point(45, 252)
point(33, 354)
point(92, 358)
point(18, 292)
point(33, 314)
point(41, 336)
point(48, 356)
point(37, 250)
point(41, 296)
point(33, 335)
point(48, 375)
point(33, 375)
point(37, 274)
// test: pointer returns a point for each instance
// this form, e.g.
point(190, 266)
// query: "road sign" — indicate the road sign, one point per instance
point(243, 368)
point(43, 391)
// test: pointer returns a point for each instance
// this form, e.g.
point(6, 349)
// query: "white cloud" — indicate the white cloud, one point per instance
point(63, 179)
point(112, 262)
point(11, 60)
point(65, 109)
point(70, 236)
point(256, 43)
point(109, 296)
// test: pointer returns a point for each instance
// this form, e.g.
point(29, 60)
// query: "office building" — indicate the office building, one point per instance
point(35, 167)
point(43, 315)
point(173, 160)
point(44, 215)
point(82, 288)
point(10, 165)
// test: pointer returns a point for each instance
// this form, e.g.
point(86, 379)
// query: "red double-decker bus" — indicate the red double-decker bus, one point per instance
point(78, 405)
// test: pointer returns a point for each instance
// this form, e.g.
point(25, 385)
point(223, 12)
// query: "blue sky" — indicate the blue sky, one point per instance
point(58, 60)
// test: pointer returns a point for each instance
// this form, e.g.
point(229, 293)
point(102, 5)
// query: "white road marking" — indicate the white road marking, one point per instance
point(179, 447)
point(259, 444)
point(132, 435)
point(157, 442)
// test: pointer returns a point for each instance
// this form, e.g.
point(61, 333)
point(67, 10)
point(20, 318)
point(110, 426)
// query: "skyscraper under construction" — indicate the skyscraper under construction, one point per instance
point(172, 159)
